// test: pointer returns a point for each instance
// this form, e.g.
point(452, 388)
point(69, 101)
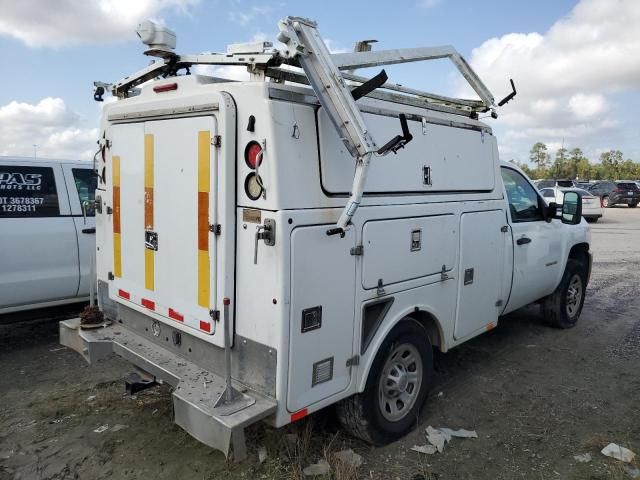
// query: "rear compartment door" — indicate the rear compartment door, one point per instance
point(322, 314)
point(166, 198)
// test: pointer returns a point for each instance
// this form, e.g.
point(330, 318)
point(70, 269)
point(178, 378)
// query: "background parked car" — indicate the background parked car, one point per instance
point(592, 209)
point(46, 239)
point(616, 193)
point(550, 183)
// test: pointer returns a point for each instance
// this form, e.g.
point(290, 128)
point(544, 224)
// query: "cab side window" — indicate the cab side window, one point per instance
point(524, 201)
point(86, 183)
point(28, 192)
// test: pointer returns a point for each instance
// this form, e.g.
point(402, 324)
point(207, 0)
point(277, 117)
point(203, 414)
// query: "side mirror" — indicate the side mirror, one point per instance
point(572, 208)
point(552, 211)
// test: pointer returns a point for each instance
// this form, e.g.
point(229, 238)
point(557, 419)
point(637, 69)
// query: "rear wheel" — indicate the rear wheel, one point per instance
point(396, 388)
point(605, 201)
point(633, 205)
point(563, 307)
point(592, 219)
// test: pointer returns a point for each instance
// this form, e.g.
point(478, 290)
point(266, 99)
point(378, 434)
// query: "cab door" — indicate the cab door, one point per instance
point(81, 185)
point(536, 243)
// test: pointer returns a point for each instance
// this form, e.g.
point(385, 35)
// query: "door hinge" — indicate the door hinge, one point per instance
point(504, 228)
point(216, 141)
point(357, 250)
point(110, 276)
point(216, 229)
point(215, 315)
point(355, 360)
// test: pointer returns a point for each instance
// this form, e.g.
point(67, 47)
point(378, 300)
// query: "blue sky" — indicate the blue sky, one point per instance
point(569, 90)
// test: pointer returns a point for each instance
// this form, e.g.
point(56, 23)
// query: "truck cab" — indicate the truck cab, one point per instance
point(46, 236)
point(270, 237)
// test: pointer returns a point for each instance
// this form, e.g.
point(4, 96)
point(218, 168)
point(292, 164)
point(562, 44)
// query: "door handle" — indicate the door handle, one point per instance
point(523, 240)
point(89, 230)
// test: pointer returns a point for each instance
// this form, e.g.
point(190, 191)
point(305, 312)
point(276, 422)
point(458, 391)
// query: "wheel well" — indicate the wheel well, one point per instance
point(431, 325)
point(580, 252)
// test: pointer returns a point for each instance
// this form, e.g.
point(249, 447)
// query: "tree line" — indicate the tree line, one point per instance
point(573, 164)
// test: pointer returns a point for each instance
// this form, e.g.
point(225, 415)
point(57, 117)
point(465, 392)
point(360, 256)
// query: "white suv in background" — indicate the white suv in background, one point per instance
point(46, 237)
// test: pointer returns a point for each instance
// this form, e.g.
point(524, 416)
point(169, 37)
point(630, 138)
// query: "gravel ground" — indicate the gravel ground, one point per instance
point(536, 397)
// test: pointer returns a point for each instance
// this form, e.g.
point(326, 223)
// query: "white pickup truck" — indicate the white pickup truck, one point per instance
point(46, 239)
point(241, 262)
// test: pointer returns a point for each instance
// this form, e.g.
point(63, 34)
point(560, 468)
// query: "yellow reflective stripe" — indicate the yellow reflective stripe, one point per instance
point(148, 160)
point(117, 241)
point(204, 176)
point(204, 160)
point(149, 269)
point(203, 279)
point(149, 255)
point(117, 255)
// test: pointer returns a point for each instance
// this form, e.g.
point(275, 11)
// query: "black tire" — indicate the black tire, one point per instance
point(558, 310)
point(592, 219)
point(633, 205)
point(362, 414)
point(605, 202)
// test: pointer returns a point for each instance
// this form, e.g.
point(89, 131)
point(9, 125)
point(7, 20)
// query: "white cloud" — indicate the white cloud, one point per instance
point(230, 72)
point(428, 4)
point(247, 15)
point(587, 106)
point(50, 125)
point(44, 23)
point(564, 77)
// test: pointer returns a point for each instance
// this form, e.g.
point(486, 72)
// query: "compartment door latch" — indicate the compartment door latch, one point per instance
point(266, 232)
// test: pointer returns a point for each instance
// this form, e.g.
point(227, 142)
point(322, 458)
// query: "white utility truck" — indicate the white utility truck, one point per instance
point(272, 247)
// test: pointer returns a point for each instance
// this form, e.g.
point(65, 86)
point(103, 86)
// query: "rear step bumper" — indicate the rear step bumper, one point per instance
point(195, 390)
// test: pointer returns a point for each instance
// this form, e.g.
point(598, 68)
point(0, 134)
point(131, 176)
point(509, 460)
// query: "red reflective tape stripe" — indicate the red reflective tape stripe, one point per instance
point(123, 294)
point(206, 326)
point(175, 315)
point(298, 415)
point(148, 304)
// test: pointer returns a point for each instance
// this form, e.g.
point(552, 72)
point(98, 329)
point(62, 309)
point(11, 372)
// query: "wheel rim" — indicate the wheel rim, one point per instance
point(574, 295)
point(400, 382)
point(605, 202)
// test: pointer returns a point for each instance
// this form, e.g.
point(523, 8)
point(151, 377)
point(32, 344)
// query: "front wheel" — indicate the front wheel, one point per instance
point(396, 388)
point(563, 307)
point(605, 201)
point(633, 205)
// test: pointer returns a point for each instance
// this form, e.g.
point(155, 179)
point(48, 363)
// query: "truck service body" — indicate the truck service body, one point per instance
point(193, 240)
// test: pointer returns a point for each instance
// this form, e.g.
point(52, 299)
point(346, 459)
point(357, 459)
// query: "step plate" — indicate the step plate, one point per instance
point(195, 390)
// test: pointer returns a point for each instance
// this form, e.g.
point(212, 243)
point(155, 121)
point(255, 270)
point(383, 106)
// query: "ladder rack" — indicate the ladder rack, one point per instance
point(268, 62)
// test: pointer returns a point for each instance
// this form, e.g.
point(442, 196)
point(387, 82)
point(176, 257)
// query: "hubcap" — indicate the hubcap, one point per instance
point(400, 382)
point(574, 295)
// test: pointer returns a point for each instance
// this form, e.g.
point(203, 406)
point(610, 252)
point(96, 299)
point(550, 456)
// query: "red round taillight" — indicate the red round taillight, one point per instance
point(253, 155)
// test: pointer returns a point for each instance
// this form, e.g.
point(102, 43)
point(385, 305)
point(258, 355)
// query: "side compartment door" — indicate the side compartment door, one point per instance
point(38, 245)
point(81, 185)
point(537, 244)
point(482, 257)
point(322, 315)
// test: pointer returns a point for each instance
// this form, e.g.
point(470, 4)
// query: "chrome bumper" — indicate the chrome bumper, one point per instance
point(195, 390)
